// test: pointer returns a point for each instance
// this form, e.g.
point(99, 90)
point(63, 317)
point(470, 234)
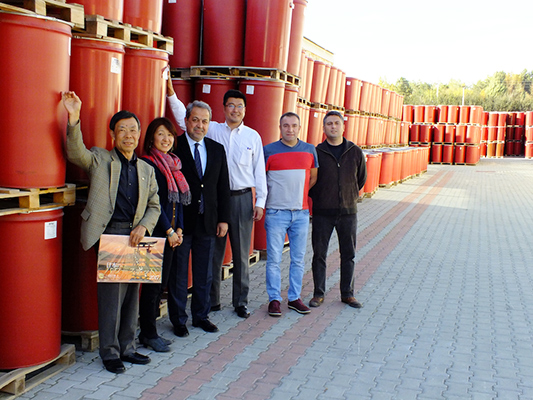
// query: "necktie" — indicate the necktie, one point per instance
point(198, 164)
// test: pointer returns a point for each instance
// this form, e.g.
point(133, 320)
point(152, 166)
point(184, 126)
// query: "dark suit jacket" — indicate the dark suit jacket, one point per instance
point(214, 186)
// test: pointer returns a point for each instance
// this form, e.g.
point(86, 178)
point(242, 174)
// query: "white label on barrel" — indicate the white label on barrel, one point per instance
point(206, 88)
point(250, 89)
point(348, 83)
point(171, 1)
point(315, 115)
point(115, 65)
point(50, 230)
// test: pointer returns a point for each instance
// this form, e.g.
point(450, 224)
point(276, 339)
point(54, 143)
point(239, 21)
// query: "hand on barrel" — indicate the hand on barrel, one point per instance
point(72, 104)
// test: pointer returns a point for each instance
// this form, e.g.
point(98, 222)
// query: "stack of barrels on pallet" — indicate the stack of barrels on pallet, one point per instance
point(528, 145)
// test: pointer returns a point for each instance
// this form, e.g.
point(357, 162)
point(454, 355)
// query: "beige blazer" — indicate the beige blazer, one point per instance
point(103, 168)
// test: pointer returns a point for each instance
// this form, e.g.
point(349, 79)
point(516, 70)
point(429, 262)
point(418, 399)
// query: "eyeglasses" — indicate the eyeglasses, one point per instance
point(232, 106)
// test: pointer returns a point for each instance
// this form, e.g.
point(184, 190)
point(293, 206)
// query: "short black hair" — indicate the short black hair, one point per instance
point(332, 113)
point(237, 94)
point(289, 114)
point(123, 115)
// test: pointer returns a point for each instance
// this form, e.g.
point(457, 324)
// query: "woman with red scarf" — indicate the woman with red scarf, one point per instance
point(173, 194)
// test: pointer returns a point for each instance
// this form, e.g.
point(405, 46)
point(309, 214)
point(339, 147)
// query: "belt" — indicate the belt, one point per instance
point(120, 225)
point(239, 192)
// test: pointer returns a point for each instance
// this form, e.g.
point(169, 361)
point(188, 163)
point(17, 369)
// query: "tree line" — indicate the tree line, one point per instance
point(499, 92)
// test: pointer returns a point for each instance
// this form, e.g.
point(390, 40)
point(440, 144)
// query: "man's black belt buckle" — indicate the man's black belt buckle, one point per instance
point(241, 191)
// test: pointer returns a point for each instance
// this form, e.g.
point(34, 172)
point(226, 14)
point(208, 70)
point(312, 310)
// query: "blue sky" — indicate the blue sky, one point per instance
point(428, 41)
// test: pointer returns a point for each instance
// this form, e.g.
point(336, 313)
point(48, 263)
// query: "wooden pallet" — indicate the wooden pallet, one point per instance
point(73, 13)
point(84, 340)
point(17, 201)
point(213, 71)
point(18, 381)
point(180, 73)
point(97, 26)
point(227, 270)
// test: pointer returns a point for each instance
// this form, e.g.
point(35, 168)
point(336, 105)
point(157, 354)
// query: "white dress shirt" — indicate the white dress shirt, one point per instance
point(244, 152)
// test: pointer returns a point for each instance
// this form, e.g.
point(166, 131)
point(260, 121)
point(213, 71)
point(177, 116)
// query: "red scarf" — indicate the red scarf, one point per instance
point(169, 164)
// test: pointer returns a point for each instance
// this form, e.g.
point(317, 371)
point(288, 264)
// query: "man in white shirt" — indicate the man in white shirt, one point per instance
point(246, 164)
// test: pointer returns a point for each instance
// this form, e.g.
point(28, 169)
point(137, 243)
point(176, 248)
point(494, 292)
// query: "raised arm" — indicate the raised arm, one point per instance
point(72, 104)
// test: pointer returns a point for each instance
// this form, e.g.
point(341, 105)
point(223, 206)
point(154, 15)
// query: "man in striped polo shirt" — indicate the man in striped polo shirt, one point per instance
point(291, 166)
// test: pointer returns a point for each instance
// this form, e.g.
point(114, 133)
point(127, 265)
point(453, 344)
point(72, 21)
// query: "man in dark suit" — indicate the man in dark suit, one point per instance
point(205, 168)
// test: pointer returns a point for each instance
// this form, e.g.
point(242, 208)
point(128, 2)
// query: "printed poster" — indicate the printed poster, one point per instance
point(120, 263)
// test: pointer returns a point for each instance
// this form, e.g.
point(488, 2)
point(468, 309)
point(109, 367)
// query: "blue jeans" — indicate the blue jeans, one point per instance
point(279, 223)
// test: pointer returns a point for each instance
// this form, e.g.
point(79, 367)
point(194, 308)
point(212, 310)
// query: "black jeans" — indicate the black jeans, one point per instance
point(346, 227)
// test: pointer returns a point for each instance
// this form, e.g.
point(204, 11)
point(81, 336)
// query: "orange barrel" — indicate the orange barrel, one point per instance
point(35, 52)
point(528, 151)
point(387, 130)
point(447, 153)
point(473, 134)
point(331, 92)
point(182, 19)
point(493, 119)
point(500, 146)
point(317, 89)
point(378, 95)
point(366, 96)
point(144, 14)
point(109, 9)
point(418, 114)
point(459, 157)
point(290, 98)
point(309, 79)
point(364, 122)
point(341, 88)
point(485, 117)
point(407, 160)
point(357, 137)
point(484, 133)
point(305, 122)
point(476, 115)
point(408, 113)
point(265, 46)
point(373, 168)
point(228, 255)
point(425, 133)
point(264, 106)
point(500, 133)
point(144, 89)
point(404, 132)
point(442, 112)
point(436, 152)
point(315, 130)
point(438, 133)
point(529, 118)
point(491, 149)
point(520, 118)
point(387, 166)
point(460, 133)
point(303, 76)
point(397, 168)
point(325, 84)
point(483, 149)
point(212, 92)
point(223, 33)
point(425, 158)
point(492, 133)
point(30, 287)
point(372, 132)
point(453, 114)
point(529, 134)
point(502, 119)
point(429, 114)
point(79, 290)
point(464, 114)
point(352, 94)
point(449, 134)
point(296, 36)
point(414, 133)
point(184, 89)
point(349, 127)
point(385, 102)
point(102, 61)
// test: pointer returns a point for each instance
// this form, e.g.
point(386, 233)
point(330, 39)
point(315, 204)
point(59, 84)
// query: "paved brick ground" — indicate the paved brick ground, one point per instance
point(442, 270)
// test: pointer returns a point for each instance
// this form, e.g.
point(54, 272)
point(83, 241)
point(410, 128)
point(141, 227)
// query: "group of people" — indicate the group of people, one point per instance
point(197, 190)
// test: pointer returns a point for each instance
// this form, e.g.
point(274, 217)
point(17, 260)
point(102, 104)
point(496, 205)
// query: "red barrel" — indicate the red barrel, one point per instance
point(366, 96)
point(290, 98)
point(303, 76)
point(266, 42)
point(407, 160)
point(438, 133)
point(30, 288)
point(414, 133)
point(184, 89)
point(436, 152)
point(182, 19)
point(144, 14)
point(304, 122)
point(442, 112)
point(493, 119)
point(464, 114)
point(373, 168)
point(331, 92)
point(483, 149)
point(212, 92)
point(425, 133)
point(341, 88)
point(223, 33)
point(459, 157)
point(387, 166)
point(35, 69)
point(500, 133)
point(453, 114)
point(397, 169)
point(408, 113)
point(102, 61)
point(404, 133)
point(491, 149)
point(385, 102)
point(529, 134)
point(309, 77)
point(315, 130)
point(449, 134)
point(473, 134)
point(325, 84)
point(429, 114)
point(418, 114)
point(352, 94)
point(144, 88)
point(447, 153)
point(296, 35)
point(264, 106)
point(109, 9)
point(349, 126)
point(388, 133)
point(460, 134)
point(317, 87)
point(79, 290)
point(528, 151)
point(529, 118)
point(476, 115)
point(502, 119)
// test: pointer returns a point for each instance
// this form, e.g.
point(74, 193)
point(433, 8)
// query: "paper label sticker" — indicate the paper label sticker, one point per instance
point(250, 89)
point(50, 230)
point(206, 88)
point(115, 65)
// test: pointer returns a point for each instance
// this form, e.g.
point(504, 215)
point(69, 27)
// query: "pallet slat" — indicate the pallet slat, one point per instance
point(17, 201)
point(73, 13)
point(203, 71)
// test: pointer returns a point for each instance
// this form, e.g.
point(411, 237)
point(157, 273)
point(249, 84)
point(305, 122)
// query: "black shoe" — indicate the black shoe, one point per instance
point(242, 311)
point(181, 331)
point(206, 325)
point(218, 307)
point(135, 358)
point(114, 365)
point(157, 344)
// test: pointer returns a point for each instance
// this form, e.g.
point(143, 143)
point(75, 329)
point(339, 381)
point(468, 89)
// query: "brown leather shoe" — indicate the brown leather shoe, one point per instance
point(352, 302)
point(316, 301)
